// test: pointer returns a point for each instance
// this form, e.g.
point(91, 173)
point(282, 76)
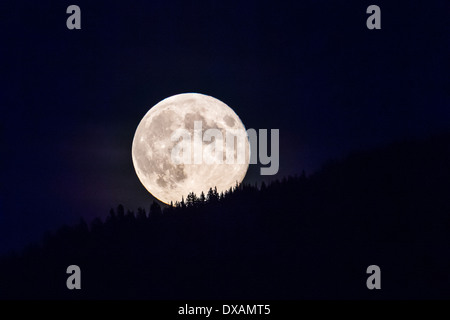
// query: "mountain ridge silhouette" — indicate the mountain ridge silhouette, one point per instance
point(304, 237)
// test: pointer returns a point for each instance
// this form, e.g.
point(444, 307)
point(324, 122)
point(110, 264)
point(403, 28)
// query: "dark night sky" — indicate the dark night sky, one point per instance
point(72, 99)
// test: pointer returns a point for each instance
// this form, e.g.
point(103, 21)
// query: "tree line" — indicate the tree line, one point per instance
point(300, 237)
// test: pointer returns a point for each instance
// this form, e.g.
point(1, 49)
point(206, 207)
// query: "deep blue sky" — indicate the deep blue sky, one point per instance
point(72, 99)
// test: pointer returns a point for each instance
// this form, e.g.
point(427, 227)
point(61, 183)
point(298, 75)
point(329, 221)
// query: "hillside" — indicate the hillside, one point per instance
point(302, 237)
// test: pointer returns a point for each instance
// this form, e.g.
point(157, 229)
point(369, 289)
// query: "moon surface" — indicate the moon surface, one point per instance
point(154, 143)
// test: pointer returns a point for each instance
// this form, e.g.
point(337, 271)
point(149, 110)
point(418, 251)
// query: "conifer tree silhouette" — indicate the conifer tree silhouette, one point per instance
point(155, 210)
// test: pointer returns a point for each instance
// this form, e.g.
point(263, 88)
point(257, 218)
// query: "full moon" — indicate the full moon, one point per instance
point(157, 141)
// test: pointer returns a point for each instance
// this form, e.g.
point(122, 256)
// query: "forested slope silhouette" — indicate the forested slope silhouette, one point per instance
point(303, 237)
